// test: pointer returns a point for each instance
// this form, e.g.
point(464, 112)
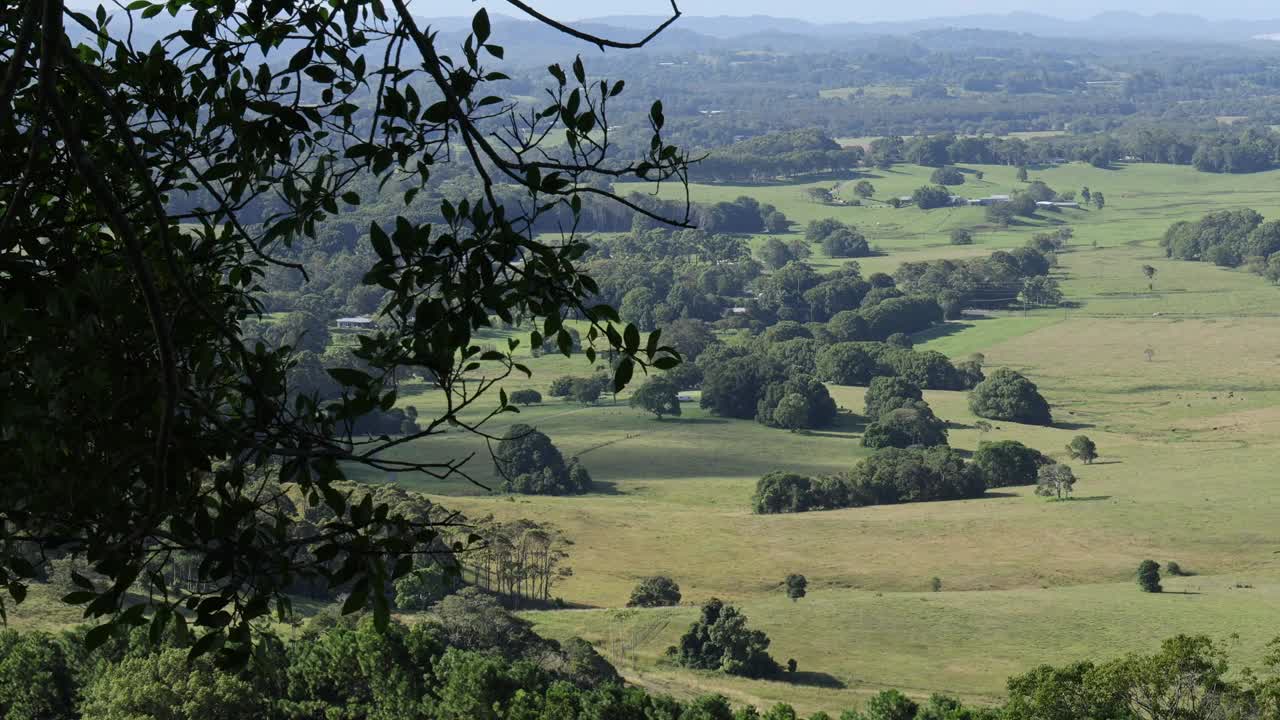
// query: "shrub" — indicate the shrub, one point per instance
point(961, 236)
point(1174, 569)
point(525, 397)
point(797, 586)
point(1149, 576)
point(655, 591)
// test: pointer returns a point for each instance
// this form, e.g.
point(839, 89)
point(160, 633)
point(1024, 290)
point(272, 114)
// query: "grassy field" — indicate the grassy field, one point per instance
point(1187, 441)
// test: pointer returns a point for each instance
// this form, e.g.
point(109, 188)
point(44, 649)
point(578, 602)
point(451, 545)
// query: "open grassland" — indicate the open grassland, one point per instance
point(1188, 440)
point(1142, 200)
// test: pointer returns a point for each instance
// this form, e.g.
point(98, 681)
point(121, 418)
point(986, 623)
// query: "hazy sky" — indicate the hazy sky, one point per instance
point(858, 10)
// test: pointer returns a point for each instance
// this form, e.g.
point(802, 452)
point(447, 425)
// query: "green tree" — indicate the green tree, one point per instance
point(1007, 395)
point(889, 705)
point(792, 412)
point(424, 587)
point(173, 175)
point(929, 197)
point(1022, 174)
point(1007, 463)
point(690, 336)
point(586, 390)
point(908, 426)
point(947, 176)
point(1055, 480)
point(655, 591)
point(638, 306)
point(525, 397)
point(845, 242)
point(1149, 272)
point(163, 685)
point(864, 189)
point(657, 396)
point(1099, 201)
point(783, 492)
point(37, 680)
point(1149, 576)
point(818, 406)
point(887, 393)
point(734, 387)
point(775, 254)
point(531, 464)
point(1083, 449)
point(961, 236)
point(1040, 290)
point(720, 640)
point(796, 586)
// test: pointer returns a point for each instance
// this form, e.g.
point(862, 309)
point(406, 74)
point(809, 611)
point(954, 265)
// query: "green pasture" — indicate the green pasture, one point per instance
point(1187, 437)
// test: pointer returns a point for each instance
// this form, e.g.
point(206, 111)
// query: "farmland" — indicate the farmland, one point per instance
point(1187, 439)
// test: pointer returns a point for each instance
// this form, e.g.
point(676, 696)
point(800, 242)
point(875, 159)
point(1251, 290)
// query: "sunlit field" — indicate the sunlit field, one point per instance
point(1187, 441)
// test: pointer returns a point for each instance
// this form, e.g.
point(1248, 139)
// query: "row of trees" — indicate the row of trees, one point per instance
point(990, 282)
point(474, 661)
point(889, 476)
point(1228, 238)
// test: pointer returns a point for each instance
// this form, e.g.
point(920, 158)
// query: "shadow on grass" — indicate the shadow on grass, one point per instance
point(944, 330)
point(812, 679)
point(694, 421)
point(1089, 498)
point(1106, 462)
point(845, 424)
point(1072, 425)
point(997, 494)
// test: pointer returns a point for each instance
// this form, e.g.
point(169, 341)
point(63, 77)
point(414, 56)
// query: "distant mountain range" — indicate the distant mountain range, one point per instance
point(1111, 25)
point(1108, 33)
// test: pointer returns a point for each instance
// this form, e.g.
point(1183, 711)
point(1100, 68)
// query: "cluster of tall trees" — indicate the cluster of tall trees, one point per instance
point(519, 560)
point(994, 281)
point(778, 155)
point(913, 462)
point(742, 384)
point(891, 475)
point(720, 640)
point(1228, 238)
point(657, 276)
point(531, 464)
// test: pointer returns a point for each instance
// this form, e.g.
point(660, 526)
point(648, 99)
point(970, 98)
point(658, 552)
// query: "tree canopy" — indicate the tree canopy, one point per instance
point(1007, 395)
point(166, 180)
